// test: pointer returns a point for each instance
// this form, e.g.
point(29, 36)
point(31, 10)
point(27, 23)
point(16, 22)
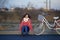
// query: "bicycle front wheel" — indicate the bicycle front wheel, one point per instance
point(39, 30)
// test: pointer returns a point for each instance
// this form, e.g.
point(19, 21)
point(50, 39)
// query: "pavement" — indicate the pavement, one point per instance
point(14, 29)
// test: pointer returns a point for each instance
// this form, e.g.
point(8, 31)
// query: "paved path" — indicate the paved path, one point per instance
point(14, 29)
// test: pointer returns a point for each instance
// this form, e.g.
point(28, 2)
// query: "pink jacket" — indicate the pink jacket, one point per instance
point(28, 23)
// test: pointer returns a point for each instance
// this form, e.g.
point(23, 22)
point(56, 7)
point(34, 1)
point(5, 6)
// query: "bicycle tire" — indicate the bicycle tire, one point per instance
point(58, 27)
point(38, 31)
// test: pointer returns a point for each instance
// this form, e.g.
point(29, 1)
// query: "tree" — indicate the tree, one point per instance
point(2, 3)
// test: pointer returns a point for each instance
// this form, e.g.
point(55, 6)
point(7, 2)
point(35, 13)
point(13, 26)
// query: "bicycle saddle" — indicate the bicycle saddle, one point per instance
point(55, 17)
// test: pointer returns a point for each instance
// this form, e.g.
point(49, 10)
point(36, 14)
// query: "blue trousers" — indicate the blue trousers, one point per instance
point(25, 30)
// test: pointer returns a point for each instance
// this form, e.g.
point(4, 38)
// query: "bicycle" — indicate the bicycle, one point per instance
point(38, 30)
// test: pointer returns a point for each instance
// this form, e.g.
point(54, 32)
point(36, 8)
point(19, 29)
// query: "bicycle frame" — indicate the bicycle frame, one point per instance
point(48, 24)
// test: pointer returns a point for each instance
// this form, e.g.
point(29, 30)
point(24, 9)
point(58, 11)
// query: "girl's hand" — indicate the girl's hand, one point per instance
point(31, 32)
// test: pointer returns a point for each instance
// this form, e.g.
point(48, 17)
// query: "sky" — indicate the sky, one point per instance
point(34, 3)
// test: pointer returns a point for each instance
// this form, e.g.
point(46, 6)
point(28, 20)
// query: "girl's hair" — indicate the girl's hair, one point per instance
point(24, 16)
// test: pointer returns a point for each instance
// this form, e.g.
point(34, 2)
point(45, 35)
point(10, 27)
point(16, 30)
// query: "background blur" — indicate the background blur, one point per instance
point(11, 11)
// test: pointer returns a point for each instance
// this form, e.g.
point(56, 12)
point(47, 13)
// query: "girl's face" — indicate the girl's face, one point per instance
point(26, 16)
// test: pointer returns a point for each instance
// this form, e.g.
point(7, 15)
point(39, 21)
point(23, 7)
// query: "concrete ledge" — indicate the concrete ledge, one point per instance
point(12, 32)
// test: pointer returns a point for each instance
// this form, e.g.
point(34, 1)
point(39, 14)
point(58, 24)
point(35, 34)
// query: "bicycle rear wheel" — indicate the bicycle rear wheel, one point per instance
point(38, 30)
point(58, 27)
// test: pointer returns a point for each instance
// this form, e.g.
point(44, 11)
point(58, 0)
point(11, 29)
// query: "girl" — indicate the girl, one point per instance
point(25, 25)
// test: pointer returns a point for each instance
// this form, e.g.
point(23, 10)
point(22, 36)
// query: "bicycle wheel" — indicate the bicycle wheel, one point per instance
point(58, 27)
point(38, 30)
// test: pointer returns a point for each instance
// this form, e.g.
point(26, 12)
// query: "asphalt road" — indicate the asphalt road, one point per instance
point(29, 37)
